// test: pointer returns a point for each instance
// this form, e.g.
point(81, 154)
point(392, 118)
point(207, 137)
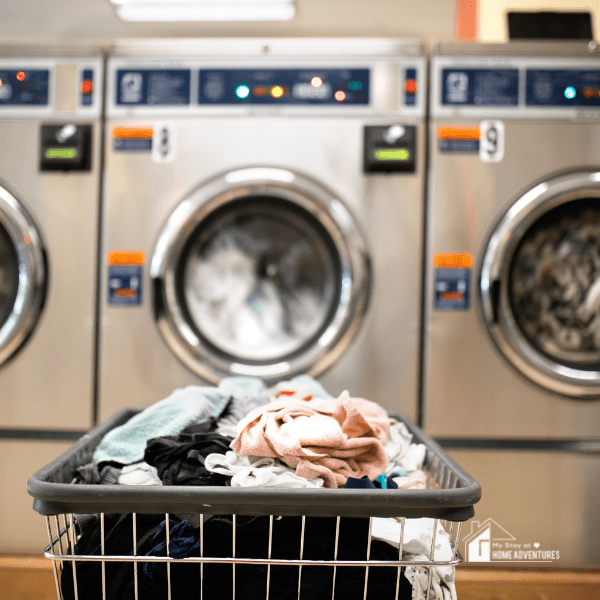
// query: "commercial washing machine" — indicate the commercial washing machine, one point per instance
point(262, 217)
point(50, 105)
point(512, 338)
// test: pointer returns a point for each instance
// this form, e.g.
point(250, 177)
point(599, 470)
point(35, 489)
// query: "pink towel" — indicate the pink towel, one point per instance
point(332, 438)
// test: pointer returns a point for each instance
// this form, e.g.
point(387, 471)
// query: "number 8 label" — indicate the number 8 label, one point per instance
point(491, 141)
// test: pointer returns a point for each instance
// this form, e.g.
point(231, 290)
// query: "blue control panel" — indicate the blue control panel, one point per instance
point(480, 87)
point(153, 87)
point(562, 87)
point(283, 86)
point(27, 87)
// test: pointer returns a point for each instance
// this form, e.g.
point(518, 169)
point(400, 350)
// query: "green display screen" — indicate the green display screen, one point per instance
point(61, 153)
point(393, 154)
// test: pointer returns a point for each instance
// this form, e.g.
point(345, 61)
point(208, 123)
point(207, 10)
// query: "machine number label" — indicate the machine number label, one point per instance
point(451, 290)
point(164, 142)
point(491, 141)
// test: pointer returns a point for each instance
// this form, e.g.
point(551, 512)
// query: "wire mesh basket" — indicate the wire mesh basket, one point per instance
point(242, 543)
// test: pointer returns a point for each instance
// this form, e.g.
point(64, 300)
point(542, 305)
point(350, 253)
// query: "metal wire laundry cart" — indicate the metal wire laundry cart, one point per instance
point(447, 500)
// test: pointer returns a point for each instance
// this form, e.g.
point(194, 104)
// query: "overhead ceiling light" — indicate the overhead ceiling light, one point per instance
point(204, 10)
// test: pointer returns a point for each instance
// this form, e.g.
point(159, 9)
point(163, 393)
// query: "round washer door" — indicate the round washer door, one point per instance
point(260, 272)
point(22, 275)
point(540, 285)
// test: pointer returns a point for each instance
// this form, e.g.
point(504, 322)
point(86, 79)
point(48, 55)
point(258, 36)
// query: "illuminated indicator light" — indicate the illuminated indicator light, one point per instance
point(453, 260)
point(242, 91)
point(340, 96)
point(277, 91)
point(316, 82)
point(21, 75)
point(0, 82)
point(570, 93)
point(61, 153)
point(410, 86)
point(355, 85)
point(27, 238)
point(392, 154)
point(125, 258)
point(87, 86)
point(260, 90)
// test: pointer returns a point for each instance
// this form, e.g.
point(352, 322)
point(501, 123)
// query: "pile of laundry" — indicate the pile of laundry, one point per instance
point(243, 434)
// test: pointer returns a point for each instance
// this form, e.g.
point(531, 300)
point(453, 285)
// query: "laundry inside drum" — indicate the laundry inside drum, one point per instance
point(9, 275)
point(555, 284)
point(260, 279)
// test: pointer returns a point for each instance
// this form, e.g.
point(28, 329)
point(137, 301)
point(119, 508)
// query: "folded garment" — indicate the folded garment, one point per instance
point(257, 471)
point(381, 483)
point(182, 463)
point(333, 438)
point(139, 474)
point(126, 444)
point(417, 480)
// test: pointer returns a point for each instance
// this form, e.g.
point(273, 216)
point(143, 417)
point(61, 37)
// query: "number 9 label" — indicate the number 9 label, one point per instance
point(491, 141)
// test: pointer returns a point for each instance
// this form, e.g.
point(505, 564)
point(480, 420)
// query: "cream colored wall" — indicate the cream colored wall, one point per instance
point(95, 20)
point(492, 19)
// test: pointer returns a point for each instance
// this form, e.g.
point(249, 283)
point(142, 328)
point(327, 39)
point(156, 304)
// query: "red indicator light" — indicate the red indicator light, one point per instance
point(87, 86)
point(21, 75)
point(316, 82)
point(0, 82)
point(260, 90)
point(340, 96)
point(410, 85)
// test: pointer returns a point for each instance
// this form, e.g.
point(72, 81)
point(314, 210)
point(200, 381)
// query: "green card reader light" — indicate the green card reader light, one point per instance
point(66, 147)
point(389, 149)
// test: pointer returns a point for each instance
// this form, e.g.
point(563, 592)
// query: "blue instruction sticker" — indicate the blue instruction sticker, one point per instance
point(124, 285)
point(451, 290)
point(449, 145)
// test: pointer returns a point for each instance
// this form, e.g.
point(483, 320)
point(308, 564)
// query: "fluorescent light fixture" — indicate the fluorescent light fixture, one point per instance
point(204, 10)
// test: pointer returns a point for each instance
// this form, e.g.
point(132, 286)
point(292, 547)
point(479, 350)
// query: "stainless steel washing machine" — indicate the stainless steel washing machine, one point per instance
point(50, 106)
point(262, 216)
point(511, 347)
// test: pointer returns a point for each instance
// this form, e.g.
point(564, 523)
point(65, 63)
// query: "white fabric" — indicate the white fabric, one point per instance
point(416, 481)
point(417, 546)
point(256, 471)
point(139, 474)
point(400, 450)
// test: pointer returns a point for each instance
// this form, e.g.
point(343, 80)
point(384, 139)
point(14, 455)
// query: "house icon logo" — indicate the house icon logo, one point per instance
point(478, 543)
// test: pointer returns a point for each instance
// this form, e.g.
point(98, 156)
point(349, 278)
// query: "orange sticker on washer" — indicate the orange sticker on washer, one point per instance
point(132, 133)
point(452, 260)
point(458, 133)
point(126, 257)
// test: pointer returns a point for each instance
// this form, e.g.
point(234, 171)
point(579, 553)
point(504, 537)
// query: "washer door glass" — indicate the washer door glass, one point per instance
point(260, 279)
point(555, 284)
point(9, 275)
point(540, 285)
point(260, 272)
point(22, 275)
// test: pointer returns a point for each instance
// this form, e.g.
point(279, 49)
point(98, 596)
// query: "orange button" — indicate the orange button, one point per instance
point(453, 260)
point(125, 257)
point(410, 85)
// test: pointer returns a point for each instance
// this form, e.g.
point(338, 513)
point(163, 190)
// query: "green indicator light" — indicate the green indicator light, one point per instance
point(393, 154)
point(61, 153)
point(355, 85)
point(570, 93)
point(242, 91)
